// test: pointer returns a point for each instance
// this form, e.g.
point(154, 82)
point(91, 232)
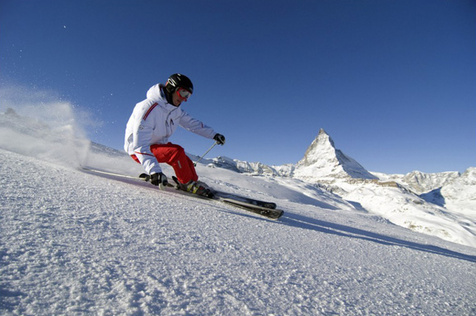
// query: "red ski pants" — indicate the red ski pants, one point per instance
point(175, 156)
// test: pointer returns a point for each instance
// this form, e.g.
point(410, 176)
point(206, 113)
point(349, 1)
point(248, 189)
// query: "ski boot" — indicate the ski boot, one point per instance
point(195, 187)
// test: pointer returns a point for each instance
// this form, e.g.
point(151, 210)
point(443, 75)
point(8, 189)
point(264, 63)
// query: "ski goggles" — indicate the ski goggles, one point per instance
point(183, 94)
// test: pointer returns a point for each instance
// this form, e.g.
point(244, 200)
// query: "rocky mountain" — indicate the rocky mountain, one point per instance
point(322, 161)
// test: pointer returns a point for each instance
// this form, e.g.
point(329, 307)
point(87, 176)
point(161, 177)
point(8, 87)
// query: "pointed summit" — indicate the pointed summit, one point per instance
point(323, 143)
point(322, 161)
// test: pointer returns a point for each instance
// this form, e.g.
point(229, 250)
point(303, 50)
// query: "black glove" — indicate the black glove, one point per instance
point(158, 178)
point(220, 139)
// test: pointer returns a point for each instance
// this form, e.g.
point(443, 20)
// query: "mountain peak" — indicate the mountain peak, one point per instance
point(323, 161)
point(322, 143)
point(322, 131)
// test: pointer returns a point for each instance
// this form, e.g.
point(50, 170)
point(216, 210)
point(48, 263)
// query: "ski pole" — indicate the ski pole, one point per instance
point(199, 159)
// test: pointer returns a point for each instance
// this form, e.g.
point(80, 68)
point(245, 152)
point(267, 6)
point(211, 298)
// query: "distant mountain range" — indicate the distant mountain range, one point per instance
point(323, 163)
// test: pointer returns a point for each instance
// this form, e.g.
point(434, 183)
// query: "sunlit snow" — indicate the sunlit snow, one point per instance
point(74, 243)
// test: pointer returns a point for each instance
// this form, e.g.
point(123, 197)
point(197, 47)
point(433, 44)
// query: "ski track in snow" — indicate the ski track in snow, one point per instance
point(73, 243)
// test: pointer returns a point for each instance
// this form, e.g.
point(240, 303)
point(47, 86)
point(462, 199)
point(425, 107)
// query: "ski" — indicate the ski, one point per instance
point(245, 199)
point(272, 213)
point(266, 209)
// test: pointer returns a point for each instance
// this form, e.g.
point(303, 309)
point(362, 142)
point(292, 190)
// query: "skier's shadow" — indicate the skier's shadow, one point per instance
point(352, 232)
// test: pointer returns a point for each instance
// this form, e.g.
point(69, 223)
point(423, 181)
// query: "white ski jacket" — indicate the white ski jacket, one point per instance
point(153, 121)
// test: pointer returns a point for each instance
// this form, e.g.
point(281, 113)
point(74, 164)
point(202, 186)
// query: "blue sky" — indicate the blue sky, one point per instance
point(392, 82)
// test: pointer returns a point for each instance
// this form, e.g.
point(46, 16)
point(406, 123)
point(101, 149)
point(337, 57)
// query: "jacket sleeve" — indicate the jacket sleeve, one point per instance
point(196, 126)
point(142, 130)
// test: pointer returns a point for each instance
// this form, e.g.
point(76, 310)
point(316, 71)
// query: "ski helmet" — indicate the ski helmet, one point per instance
point(176, 81)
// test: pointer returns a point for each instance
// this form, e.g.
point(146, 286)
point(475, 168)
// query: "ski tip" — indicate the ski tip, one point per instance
point(277, 215)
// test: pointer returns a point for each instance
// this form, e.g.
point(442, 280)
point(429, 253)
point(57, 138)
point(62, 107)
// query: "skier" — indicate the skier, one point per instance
point(153, 121)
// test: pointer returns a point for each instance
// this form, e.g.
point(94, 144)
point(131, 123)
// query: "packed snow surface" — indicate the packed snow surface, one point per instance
point(73, 243)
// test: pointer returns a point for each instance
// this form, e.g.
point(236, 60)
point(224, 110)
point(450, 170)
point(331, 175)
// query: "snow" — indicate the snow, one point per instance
point(74, 243)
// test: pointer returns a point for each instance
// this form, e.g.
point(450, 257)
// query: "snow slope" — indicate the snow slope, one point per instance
point(73, 243)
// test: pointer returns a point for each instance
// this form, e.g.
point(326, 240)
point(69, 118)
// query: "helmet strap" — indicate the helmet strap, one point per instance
point(168, 93)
